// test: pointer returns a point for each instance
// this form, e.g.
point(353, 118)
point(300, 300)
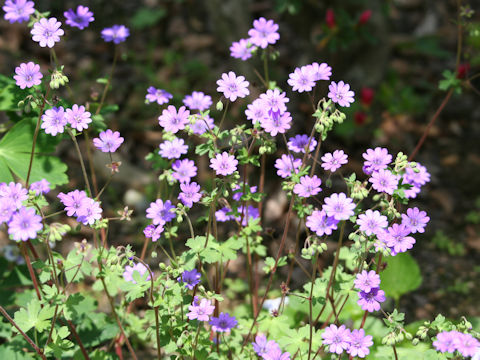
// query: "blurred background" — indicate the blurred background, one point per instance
point(394, 54)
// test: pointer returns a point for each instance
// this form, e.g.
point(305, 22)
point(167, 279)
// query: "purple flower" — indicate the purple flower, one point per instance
point(158, 95)
point(190, 278)
point(320, 71)
point(384, 181)
point(256, 111)
point(466, 344)
point(173, 121)
point(275, 100)
point(138, 268)
point(198, 101)
point(365, 281)
point(262, 346)
point(372, 222)
point(117, 34)
point(161, 212)
point(446, 341)
point(78, 118)
point(302, 79)
point(80, 19)
point(223, 323)
point(14, 192)
point(276, 122)
point(333, 162)
point(276, 354)
point(309, 186)
point(7, 208)
point(371, 301)
point(222, 214)
point(154, 232)
point(376, 159)
point(54, 121)
point(337, 338)
point(419, 178)
point(28, 75)
point(415, 220)
point(200, 124)
point(18, 10)
point(89, 211)
point(397, 238)
point(264, 32)
point(40, 187)
point(173, 149)
point(359, 343)
point(299, 143)
point(201, 310)
point(233, 86)
point(73, 201)
point(241, 49)
point(190, 194)
point(24, 224)
point(249, 213)
point(286, 165)
point(224, 164)
point(108, 141)
point(47, 32)
point(320, 223)
point(340, 93)
point(339, 206)
point(184, 170)
point(238, 194)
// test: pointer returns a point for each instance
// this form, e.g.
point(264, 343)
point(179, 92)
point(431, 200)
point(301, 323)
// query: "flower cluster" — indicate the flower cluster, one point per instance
point(78, 204)
point(370, 295)
point(340, 339)
point(451, 341)
point(269, 349)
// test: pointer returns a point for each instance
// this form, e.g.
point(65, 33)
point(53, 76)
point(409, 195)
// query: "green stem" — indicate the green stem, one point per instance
point(109, 79)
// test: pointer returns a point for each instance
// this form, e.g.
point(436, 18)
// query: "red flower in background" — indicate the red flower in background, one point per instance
point(364, 17)
point(330, 18)
point(463, 70)
point(360, 117)
point(366, 96)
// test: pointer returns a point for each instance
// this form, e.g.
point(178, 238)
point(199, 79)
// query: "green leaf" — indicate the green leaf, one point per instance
point(11, 94)
point(34, 316)
point(15, 149)
point(146, 17)
point(401, 275)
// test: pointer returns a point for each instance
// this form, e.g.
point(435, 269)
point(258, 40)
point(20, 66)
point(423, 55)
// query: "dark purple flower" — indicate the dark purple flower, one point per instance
point(190, 278)
point(18, 10)
point(263, 33)
point(108, 141)
point(249, 213)
point(222, 214)
point(117, 34)
point(158, 95)
point(47, 32)
point(24, 224)
point(28, 75)
point(223, 323)
point(371, 301)
point(79, 19)
point(299, 143)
